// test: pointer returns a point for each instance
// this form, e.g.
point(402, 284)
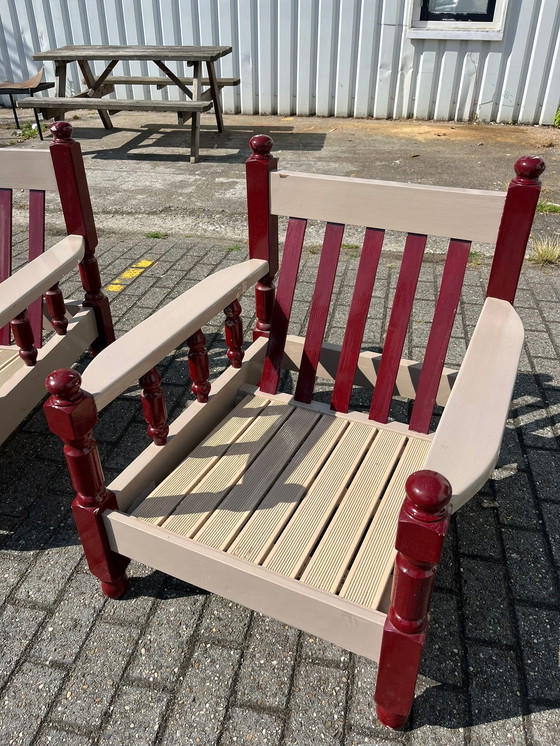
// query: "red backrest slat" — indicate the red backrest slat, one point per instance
point(440, 333)
point(283, 304)
point(319, 311)
point(5, 248)
point(398, 324)
point(36, 248)
point(361, 299)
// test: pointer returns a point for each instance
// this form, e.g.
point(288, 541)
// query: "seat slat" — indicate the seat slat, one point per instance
point(361, 299)
point(334, 552)
point(370, 570)
point(5, 248)
point(265, 525)
point(319, 311)
point(224, 524)
point(294, 545)
point(398, 325)
point(161, 502)
point(283, 305)
point(36, 248)
point(440, 333)
point(197, 506)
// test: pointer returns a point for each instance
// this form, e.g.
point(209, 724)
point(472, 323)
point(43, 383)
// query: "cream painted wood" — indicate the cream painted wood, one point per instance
point(27, 169)
point(315, 612)
point(462, 450)
point(36, 277)
point(10, 361)
point(26, 386)
point(126, 360)
point(366, 373)
point(468, 214)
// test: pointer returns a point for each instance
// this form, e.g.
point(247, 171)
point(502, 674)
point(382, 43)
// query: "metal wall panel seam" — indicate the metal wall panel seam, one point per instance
point(551, 99)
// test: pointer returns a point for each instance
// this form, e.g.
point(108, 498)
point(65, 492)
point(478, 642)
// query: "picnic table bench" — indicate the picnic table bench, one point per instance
point(203, 93)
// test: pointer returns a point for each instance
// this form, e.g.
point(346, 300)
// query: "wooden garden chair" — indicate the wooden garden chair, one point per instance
point(27, 353)
point(306, 512)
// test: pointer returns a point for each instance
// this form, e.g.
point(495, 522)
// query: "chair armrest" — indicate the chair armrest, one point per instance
point(136, 352)
point(36, 277)
point(467, 441)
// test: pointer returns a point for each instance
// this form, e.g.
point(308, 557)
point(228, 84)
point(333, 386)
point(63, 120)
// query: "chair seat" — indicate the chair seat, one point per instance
point(298, 490)
point(10, 361)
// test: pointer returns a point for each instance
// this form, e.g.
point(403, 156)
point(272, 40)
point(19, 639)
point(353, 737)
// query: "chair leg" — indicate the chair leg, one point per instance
point(13, 103)
point(36, 112)
point(423, 523)
point(71, 414)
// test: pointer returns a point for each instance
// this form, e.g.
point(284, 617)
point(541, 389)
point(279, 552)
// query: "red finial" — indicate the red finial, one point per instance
point(64, 384)
point(61, 131)
point(261, 145)
point(529, 167)
point(428, 493)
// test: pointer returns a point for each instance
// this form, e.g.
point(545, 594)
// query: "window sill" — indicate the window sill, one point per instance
point(448, 33)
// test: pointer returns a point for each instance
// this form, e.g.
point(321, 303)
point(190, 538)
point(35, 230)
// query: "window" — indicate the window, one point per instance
point(457, 19)
point(457, 10)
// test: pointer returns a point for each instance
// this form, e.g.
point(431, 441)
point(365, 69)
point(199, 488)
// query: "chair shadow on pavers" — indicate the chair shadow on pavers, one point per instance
point(326, 518)
point(39, 329)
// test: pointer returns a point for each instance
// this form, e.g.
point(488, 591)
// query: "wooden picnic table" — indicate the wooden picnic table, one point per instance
point(202, 93)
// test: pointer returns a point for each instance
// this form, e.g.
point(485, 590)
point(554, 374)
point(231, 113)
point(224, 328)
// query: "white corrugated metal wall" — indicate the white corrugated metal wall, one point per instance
point(325, 57)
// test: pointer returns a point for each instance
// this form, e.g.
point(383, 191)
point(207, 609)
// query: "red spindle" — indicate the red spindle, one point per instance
point(5, 248)
point(515, 227)
point(398, 324)
point(357, 317)
point(76, 205)
point(56, 308)
point(23, 337)
point(263, 227)
point(153, 405)
point(283, 307)
point(440, 333)
point(71, 414)
point(234, 334)
point(423, 523)
point(198, 366)
point(319, 312)
point(36, 248)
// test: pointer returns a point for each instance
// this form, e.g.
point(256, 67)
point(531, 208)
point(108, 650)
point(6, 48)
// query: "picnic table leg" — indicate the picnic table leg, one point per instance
point(60, 74)
point(216, 95)
point(195, 127)
point(89, 79)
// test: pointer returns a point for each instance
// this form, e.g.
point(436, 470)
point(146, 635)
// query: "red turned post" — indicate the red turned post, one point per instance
point(517, 218)
point(71, 414)
point(423, 523)
point(198, 366)
point(23, 337)
point(68, 165)
point(234, 334)
point(56, 308)
point(153, 405)
point(263, 227)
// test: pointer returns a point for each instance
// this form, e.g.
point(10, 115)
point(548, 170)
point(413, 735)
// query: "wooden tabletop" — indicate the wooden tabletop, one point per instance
point(131, 52)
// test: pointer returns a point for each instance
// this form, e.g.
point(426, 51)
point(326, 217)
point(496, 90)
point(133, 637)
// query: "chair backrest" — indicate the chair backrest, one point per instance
point(60, 170)
point(460, 215)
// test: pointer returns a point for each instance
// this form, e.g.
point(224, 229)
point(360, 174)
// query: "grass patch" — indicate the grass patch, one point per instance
point(157, 234)
point(476, 258)
point(234, 248)
point(27, 132)
point(314, 250)
point(543, 205)
point(545, 250)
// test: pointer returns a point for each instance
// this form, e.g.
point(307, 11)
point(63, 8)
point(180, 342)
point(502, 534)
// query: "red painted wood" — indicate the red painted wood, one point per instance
point(517, 219)
point(56, 309)
point(5, 248)
point(291, 258)
point(398, 324)
point(263, 227)
point(76, 206)
point(319, 312)
point(440, 333)
point(198, 366)
point(71, 414)
point(36, 248)
point(357, 317)
point(422, 527)
point(153, 405)
point(234, 334)
point(23, 337)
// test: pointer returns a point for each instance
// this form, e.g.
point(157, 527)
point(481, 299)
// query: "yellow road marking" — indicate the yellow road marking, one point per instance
point(129, 274)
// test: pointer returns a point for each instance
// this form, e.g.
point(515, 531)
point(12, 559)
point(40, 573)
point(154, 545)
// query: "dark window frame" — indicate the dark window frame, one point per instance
point(426, 15)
